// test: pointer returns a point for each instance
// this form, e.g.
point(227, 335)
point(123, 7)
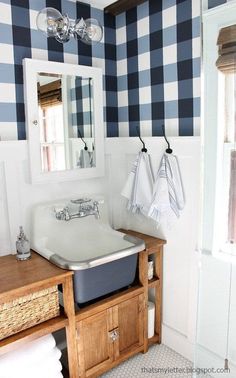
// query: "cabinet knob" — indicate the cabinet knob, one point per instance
point(35, 122)
point(114, 334)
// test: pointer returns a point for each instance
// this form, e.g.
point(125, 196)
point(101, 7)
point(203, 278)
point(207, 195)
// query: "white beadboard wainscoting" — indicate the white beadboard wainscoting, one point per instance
point(17, 195)
point(216, 335)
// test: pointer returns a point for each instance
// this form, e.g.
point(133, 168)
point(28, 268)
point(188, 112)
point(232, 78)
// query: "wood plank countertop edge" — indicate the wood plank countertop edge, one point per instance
point(20, 278)
point(150, 241)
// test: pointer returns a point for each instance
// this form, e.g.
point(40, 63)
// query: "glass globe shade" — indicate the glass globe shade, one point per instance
point(48, 21)
point(93, 31)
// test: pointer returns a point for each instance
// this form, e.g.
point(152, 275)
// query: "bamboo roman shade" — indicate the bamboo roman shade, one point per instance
point(226, 42)
point(49, 94)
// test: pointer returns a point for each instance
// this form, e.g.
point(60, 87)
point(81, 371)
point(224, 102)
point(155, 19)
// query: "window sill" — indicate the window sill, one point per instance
point(225, 255)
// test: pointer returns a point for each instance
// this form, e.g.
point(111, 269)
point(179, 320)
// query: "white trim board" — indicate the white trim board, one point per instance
point(217, 9)
point(178, 342)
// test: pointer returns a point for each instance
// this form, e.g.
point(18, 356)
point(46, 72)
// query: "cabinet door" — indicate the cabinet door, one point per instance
point(130, 318)
point(95, 347)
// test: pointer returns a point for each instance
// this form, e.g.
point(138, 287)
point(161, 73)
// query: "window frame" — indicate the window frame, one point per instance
point(53, 144)
point(215, 151)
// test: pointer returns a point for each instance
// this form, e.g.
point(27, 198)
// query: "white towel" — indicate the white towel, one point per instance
point(139, 186)
point(58, 375)
point(46, 366)
point(85, 159)
point(31, 352)
point(168, 196)
point(92, 155)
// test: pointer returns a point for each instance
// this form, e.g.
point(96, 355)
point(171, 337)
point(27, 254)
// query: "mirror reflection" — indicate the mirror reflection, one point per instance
point(66, 122)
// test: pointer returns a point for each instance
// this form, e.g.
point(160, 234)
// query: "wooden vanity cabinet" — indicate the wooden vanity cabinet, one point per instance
point(95, 348)
point(110, 336)
point(130, 325)
point(114, 329)
point(101, 335)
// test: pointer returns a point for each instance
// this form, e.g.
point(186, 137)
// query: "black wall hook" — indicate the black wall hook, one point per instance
point(144, 147)
point(85, 144)
point(168, 150)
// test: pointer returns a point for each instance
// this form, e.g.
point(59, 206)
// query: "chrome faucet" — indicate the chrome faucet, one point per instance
point(85, 209)
point(62, 214)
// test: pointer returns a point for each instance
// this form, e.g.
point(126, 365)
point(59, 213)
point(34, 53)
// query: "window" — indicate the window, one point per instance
point(52, 141)
point(229, 164)
point(227, 73)
point(218, 231)
point(52, 138)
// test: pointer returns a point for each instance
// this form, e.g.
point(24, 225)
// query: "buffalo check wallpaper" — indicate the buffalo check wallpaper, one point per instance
point(158, 68)
point(150, 57)
point(19, 38)
point(80, 111)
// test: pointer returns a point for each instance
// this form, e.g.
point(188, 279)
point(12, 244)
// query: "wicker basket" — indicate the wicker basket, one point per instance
point(26, 312)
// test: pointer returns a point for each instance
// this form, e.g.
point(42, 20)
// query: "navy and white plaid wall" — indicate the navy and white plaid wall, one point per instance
point(19, 38)
point(158, 68)
point(150, 58)
point(81, 105)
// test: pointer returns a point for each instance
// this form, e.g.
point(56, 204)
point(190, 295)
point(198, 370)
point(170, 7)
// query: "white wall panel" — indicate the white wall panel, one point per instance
point(213, 305)
point(216, 331)
point(4, 221)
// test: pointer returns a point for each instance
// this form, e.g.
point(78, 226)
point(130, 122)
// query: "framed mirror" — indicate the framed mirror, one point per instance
point(64, 116)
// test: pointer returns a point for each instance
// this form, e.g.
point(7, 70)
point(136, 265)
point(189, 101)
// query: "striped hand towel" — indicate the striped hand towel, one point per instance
point(168, 196)
point(139, 186)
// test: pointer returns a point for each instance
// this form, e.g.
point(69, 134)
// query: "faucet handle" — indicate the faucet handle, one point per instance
point(57, 209)
point(95, 203)
point(58, 213)
point(79, 201)
point(66, 213)
point(96, 209)
point(62, 213)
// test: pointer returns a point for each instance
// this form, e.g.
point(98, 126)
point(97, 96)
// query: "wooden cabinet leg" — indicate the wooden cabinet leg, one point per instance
point(69, 308)
point(80, 349)
point(143, 279)
point(158, 305)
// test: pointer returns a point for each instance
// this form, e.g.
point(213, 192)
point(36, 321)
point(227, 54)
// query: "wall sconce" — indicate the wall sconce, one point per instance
point(52, 23)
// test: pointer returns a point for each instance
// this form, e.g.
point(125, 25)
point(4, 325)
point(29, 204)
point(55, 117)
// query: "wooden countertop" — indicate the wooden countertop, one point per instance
point(151, 242)
point(17, 277)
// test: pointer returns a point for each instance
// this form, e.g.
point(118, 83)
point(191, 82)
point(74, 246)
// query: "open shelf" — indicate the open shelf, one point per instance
point(153, 340)
point(13, 342)
point(154, 282)
point(108, 301)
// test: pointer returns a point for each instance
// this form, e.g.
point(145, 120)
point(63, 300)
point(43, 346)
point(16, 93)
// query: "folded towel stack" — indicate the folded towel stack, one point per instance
point(38, 359)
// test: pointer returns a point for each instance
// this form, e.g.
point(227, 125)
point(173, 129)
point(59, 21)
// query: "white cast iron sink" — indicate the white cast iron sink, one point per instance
point(79, 243)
